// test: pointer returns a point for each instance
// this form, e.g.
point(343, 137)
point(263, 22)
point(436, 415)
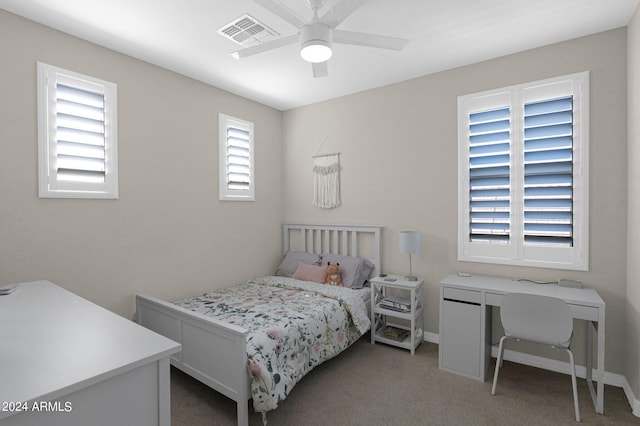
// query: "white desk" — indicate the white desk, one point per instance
point(68, 361)
point(465, 323)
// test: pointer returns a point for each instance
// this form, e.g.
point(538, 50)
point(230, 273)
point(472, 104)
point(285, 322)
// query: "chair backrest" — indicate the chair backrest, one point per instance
point(536, 318)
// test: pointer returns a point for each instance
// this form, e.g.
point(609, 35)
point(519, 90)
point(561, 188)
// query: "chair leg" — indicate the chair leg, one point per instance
point(498, 364)
point(575, 385)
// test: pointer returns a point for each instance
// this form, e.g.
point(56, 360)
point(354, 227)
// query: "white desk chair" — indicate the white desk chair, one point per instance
point(539, 319)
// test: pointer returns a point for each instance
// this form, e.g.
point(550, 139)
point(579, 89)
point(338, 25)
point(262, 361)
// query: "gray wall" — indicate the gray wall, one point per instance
point(633, 235)
point(399, 168)
point(167, 235)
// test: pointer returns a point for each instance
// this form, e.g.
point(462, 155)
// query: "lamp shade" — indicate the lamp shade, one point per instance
point(410, 242)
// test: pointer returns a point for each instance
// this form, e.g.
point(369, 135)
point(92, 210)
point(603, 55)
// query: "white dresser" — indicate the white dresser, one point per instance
point(66, 361)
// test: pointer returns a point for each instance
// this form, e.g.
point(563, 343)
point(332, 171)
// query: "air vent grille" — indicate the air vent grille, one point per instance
point(247, 31)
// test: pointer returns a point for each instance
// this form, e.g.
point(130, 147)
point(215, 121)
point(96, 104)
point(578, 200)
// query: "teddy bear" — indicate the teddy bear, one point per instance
point(333, 274)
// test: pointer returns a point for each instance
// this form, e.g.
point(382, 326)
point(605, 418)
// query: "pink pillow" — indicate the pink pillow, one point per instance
point(306, 272)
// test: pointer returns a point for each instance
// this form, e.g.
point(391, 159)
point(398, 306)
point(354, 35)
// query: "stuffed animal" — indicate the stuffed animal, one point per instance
point(333, 274)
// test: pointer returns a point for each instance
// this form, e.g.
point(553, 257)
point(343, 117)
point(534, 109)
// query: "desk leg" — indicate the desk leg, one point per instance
point(589, 350)
point(600, 399)
point(596, 396)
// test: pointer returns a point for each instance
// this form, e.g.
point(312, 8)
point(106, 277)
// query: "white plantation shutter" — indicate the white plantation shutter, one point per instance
point(489, 175)
point(80, 137)
point(236, 159)
point(548, 172)
point(77, 135)
point(523, 174)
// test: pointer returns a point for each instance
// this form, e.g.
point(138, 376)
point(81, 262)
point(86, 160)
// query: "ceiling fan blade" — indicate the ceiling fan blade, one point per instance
point(319, 69)
point(338, 10)
point(369, 40)
point(274, 44)
point(277, 8)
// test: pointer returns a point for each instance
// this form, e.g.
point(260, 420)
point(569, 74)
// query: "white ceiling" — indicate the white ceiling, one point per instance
point(181, 35)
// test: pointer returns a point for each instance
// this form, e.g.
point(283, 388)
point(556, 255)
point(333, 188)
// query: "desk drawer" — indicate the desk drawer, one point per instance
point(582, 312)
point(470, 296)
point(588, 313)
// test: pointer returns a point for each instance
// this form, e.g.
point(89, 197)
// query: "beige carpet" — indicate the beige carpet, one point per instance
point(383, 385)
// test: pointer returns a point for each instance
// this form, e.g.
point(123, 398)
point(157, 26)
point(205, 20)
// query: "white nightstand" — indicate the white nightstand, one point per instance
point(381, 317)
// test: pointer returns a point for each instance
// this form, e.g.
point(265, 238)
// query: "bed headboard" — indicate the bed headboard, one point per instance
point(352, 240)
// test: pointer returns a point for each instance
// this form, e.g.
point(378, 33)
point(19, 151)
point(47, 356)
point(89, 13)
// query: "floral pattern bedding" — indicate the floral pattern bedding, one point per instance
point(293, 326)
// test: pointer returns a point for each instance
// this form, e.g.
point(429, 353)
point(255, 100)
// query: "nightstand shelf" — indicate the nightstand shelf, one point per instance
point(382, 317)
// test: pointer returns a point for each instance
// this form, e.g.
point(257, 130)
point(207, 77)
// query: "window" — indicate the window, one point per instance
point(235, 142)
point(523, 174)
point(77, 135)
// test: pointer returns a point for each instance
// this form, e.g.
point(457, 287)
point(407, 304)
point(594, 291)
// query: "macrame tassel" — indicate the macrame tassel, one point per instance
point(326, 181)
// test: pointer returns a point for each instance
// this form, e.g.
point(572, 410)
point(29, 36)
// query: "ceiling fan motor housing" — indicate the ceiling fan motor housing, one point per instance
point(315, 4)
point(315, 38)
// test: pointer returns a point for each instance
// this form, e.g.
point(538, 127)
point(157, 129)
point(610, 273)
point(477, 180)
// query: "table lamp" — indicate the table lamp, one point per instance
point(410, 242)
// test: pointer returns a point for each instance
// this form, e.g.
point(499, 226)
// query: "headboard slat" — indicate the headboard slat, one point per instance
point(303, 239)
point(354, 244)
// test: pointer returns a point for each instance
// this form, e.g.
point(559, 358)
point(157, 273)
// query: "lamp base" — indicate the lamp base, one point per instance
point(410, 278)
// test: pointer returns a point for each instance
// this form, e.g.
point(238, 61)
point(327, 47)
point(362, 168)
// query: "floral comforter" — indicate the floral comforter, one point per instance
point(293, 326)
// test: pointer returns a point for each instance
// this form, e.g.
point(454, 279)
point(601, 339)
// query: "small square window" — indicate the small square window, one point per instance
point(236, 158)
point(77, 135)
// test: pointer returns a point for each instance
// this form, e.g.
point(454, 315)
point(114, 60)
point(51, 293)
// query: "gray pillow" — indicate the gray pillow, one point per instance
point(353, 270)
point(291, 259)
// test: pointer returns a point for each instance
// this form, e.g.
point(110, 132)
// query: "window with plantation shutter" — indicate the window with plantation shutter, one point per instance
point(489, 175)
point(76, 135)
point(523, 174)
point(236, 159)
point(548, 172)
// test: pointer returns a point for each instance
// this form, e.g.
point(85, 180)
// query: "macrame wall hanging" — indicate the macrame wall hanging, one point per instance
point(326, 179)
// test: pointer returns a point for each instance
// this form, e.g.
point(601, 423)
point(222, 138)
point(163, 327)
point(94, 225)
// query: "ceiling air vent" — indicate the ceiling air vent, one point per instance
point(247, 31)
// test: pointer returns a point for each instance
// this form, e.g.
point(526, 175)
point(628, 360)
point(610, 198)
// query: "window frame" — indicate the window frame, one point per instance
point(516, 252)
point(225, 193)
point(49, 185)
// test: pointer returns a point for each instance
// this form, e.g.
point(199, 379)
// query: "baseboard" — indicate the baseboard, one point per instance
point(554, 365)
point(432, 337)
point(612, 379)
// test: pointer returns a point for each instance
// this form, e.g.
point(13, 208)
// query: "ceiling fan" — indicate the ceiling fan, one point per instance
point(317, 36)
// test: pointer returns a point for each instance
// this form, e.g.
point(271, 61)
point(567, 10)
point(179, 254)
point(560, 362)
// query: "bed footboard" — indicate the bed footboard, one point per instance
point(212, 351)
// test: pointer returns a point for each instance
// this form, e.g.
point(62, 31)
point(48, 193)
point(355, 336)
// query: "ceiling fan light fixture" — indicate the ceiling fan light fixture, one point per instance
point(315, 42)
point(316, 51)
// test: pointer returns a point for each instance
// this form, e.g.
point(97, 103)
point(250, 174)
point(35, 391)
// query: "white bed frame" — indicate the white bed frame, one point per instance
point(214, 352)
